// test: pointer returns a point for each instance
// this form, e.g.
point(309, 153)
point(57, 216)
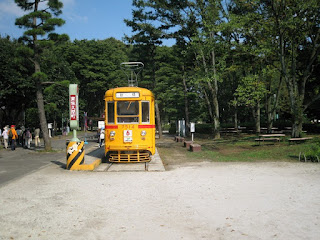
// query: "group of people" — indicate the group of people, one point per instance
point(22, 136)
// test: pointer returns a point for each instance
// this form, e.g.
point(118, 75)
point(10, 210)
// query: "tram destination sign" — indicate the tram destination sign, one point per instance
point(127, 95)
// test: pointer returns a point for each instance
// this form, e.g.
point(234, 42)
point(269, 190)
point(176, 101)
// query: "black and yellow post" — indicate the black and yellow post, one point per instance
point(75, 155)
point(75, 148)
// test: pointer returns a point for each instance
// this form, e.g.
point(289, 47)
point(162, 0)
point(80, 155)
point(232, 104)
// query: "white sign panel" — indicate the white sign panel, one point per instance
point(101, 124)
point(127, 135)
point(127, 95)
point(192, 127)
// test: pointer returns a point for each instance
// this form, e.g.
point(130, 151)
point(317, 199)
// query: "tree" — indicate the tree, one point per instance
point(16, 89)
point(40, 21)
point(250, 92)
point(147, 37)
point(96, 66)
point(297, 35)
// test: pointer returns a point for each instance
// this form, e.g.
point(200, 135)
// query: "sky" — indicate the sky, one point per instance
point(85, 19)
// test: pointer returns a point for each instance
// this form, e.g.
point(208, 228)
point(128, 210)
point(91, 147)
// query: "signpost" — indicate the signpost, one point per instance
point(74, 110)
point(85, 119)
point(192, 129)
point(50, 129)
point(182, 128)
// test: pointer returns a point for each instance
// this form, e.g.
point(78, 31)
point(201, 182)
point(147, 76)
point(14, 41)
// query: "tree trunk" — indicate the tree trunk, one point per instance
point(214, 92)
point(235, 117)
point(215, 99)
point(186, 105)
point(269, 113)
point(272, 108)
point(256, 115)
point(297, 119)
point(41, 111)
point(208, 104)
point(158, 120)
point(39, 94)
point(296, 87)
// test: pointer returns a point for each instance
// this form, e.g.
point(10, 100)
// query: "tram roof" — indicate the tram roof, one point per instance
point(143, 91)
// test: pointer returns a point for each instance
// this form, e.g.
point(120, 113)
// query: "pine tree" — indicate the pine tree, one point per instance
point(39, 22)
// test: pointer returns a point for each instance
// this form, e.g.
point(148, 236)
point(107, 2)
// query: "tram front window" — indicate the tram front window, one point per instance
point(128, 112)
point(111, 112)
point(145, 112)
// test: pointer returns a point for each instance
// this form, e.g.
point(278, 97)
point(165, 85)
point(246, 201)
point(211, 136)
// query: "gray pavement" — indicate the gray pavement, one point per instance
point(21, 162)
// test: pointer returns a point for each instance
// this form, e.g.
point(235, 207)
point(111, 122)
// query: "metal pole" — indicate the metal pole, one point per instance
point(85, 128)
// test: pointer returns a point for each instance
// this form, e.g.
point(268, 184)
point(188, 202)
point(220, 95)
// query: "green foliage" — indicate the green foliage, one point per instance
point(204, 128)
point(32, 117)
point(39, 76)
point(243, 35)
point(250, 91)
point(95, 65)
point(313, 152)
point(172, 129)
point(16, 86)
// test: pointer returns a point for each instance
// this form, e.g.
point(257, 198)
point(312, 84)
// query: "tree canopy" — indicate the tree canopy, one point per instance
point(233, 63)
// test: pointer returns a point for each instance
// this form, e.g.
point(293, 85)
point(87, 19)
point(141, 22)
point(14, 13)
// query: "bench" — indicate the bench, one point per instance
point(187, 144)
point(267, 139)
point(179, 139)
point(225, 132)
point(270, 137)
point(195, 147)
point(299, 140)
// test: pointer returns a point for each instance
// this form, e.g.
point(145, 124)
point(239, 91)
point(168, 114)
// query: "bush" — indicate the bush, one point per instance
point(172, 129)
point(204, 128)
point(314, 150)
point(311, 127)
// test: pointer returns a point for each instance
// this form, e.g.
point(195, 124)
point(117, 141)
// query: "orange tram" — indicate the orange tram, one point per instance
point(129, 125)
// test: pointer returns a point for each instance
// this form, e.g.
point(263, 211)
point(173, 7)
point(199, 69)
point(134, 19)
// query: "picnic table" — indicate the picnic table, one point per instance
point(270, 137)
point(228, 130)
point(265, 130)
point(299, 140)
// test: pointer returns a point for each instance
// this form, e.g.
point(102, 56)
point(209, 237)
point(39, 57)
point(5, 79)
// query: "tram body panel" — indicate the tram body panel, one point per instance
point(129, 124)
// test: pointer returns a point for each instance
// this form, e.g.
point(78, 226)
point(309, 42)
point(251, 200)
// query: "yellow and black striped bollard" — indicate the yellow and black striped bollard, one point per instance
point(75, 155)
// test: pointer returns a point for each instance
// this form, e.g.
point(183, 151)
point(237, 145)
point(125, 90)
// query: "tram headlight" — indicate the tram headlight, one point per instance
point(143, 133)
point(112, 133)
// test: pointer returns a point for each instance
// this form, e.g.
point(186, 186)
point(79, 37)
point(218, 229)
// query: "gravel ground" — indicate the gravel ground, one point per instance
point(194, 201)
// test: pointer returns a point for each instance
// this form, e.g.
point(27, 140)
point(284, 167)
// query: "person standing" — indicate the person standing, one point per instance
point(13, 134)
point(101, 137)
point(28, 138)
point(5, 137)
point(37, 137)
point(22, 136)
point(18, 130)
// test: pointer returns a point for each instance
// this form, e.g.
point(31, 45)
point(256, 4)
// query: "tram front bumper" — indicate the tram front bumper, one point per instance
point(127, 147)
point(127, 154)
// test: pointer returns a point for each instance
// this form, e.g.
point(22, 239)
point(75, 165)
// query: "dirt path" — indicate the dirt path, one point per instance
point(191, 201)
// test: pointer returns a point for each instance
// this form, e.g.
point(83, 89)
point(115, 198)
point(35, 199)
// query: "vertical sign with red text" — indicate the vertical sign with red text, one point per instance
point(74, 106)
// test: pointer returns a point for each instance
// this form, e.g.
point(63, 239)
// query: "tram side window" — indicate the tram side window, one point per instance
point(128, 112)
point(145, 112)
point(110, 112)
